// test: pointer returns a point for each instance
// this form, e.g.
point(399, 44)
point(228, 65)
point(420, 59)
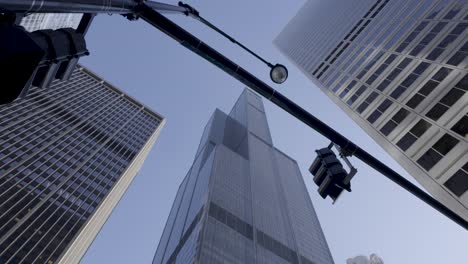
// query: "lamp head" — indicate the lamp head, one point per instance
point(278, 73)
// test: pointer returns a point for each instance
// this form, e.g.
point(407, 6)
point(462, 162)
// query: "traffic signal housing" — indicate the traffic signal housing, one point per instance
point(329, 174)
point(35, 58)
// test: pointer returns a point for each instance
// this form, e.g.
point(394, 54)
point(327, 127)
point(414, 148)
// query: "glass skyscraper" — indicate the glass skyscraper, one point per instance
point(243, 200)
point(68, 154)
point(398, 68)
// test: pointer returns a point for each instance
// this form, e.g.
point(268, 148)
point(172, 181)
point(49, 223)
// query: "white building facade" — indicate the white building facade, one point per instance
point(398, 68)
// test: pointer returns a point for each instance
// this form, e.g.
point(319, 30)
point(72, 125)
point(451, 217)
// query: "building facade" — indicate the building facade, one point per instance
point(39, 21)
point(398, 68)
point(68, 154)
point(242, 201)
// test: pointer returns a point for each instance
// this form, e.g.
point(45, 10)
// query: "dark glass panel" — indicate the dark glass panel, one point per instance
point(441, 74)
point(415, 101)
point(452, 97)
point(420, 128)
point(428, 87)
point(429, 159)
point(457, 58)
point(406, 141)
point(458, 183)
point(445, 144)
point(461, 127)
point(388, 127)
point(436, 112)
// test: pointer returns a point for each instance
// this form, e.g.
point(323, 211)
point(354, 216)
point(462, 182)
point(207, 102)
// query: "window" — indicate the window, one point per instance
point(348, 88)
point(461, 127)
point(363, 106)
point(356, 95)
point(458, 183)
point(427, 88)
point(441, 74)
point(415, 132)
point(437, 152)
point(459, 56)
point(394, 121)
point(379, 111)
point(453, 12)
point(445, 103)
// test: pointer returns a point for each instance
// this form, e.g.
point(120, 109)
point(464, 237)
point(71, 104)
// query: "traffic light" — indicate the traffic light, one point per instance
point(329, 174)
point(35, 58)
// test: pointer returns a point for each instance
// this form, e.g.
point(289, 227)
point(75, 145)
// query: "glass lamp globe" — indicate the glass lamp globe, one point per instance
point(278, 73)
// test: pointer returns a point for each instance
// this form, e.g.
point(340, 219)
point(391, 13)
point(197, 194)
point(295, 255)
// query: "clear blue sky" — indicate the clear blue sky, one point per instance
point(376, 217)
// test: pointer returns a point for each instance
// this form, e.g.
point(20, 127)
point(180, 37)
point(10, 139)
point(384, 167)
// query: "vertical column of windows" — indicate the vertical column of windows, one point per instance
point(51, 186)
point(96, 195)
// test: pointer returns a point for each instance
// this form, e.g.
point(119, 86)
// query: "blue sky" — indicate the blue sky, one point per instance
point(376, 217)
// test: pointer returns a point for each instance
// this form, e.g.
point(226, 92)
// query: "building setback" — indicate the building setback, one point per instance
point(68, 154)
point(398, 68)
point(242, 201)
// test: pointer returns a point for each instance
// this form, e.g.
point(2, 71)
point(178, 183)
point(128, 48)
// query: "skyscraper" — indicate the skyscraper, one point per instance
point(242, 201)
point(398, 68)
point(68, 154)
point(373, 259)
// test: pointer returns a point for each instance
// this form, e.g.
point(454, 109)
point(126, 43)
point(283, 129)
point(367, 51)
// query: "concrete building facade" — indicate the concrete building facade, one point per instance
point(398, 68)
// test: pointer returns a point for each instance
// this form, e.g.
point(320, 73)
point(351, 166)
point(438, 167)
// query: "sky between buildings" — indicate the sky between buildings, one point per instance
point(376, 217)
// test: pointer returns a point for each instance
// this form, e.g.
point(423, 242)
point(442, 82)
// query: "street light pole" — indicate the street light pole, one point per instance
point(153, 17)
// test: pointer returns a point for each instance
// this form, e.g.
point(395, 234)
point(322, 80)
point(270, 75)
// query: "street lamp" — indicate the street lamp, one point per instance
point(278, 72)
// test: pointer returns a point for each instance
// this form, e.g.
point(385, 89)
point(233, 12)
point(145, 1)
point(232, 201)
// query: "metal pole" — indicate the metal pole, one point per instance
point(197, 46)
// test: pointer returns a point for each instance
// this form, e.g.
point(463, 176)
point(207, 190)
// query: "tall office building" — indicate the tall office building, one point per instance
point(373, 259)
point(68, 154)
point(242, 201)
point(398, 68)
